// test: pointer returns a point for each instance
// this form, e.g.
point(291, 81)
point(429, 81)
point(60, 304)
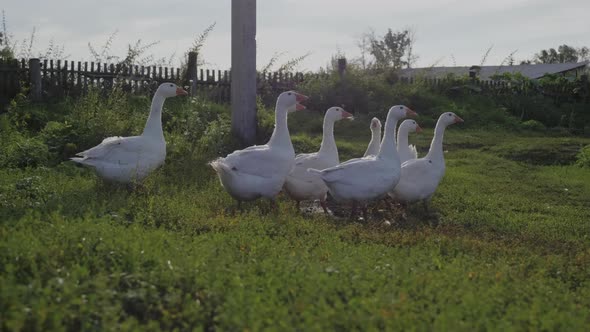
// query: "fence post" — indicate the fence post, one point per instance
point(192, 72)
point(35, 79)
point(585, 90)
point(243, 70)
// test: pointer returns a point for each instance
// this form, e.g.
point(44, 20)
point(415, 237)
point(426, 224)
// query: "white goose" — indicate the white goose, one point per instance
point(260, 170)
point(365, 179)
point(373, 147)
point(129, 159)
point(405, 151)
point(420, 177)
point(302, 185)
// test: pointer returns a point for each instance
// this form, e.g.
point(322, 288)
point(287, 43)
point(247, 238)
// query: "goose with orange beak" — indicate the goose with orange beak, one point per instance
point(362, 180)
point(406, 151)
point(259, 171)
point(130, 159)
point(302, 185)
point(420, 177)
point(375, 142)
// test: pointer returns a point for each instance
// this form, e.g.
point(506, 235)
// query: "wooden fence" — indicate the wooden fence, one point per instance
point(58, 78)
point(47, 79)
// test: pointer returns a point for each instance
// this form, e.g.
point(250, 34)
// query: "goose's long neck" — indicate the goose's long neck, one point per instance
point(153, 126)
point(402, 136)
point(280, 135)
point(388, 148)
point(328, 145)
point(436, 146)
point(375, 136)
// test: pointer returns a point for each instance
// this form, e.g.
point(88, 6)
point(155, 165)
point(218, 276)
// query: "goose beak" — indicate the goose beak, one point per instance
point(458, 119)
point(374, 123)
point(346, 115)
point(418, 129)
point(181, 92)
point(411, 114)
point(300, 98)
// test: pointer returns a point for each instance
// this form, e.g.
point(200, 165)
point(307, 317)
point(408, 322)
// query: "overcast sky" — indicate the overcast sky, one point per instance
point(447, 31)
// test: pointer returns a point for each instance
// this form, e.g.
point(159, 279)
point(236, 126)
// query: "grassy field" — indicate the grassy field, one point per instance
point(508, 248)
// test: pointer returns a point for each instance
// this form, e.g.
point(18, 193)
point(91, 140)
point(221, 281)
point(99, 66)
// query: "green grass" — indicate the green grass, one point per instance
point(509, 249)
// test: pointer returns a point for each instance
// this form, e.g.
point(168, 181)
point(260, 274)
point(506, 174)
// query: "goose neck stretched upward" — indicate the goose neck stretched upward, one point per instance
point(436, 146)
point(153, 126)
point(328, 142)
point(280, 135)
point(402, 136)
point(388, 147)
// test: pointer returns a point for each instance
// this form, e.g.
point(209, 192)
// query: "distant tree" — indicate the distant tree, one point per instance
point(563, 54)
point(6, 51)
point(393, 50)
point(584, 53)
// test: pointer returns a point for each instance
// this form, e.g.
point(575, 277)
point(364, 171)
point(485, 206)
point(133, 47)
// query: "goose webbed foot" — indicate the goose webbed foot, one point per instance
point(353, 211)
point(325, 207)
point(365, 214)
point(272, 206)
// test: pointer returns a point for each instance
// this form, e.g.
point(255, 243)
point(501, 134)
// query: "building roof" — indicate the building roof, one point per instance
point(532, 71)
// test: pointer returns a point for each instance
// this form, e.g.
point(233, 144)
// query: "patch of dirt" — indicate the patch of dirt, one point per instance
point(383, 212)
point(564, 154)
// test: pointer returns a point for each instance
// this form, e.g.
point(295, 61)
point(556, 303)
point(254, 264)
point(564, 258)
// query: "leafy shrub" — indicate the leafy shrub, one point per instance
point(18, 151)
point(354, 92)
point(60, 139)
point(583, 157)
point(95, 117)
point(217, 139)
point(304, 144)
point(533, 125)
point(27, 115)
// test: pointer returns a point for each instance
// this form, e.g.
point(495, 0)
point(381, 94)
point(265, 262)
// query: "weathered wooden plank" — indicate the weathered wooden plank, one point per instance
point(35, 79)
point(243, 64)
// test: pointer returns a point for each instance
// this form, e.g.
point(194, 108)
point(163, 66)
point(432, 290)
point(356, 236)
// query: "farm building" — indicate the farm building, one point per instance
point(532, 71)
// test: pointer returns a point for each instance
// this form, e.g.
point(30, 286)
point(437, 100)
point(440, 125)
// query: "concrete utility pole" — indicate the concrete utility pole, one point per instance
point(243, 70)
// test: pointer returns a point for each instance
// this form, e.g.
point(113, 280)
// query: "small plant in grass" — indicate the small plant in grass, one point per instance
point(18, 151)
point(533, 125)
point(583, 158)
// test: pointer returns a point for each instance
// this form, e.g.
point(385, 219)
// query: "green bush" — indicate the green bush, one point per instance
point(356, 92)
point(27, 115)
point(60, 139)
point(305, 144)
point(95, 117)
point(583, 157)
point(17, 151)
point(533, 125)
point(375, 93)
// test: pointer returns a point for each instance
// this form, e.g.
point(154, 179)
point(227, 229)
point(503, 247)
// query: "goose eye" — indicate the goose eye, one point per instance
point(171, 85)
point(289, 93)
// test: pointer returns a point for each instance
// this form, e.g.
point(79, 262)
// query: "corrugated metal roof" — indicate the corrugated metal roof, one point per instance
point(533, 71)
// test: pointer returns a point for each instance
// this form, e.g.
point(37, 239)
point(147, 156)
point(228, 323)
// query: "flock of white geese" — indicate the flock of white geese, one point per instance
point(388, 168)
